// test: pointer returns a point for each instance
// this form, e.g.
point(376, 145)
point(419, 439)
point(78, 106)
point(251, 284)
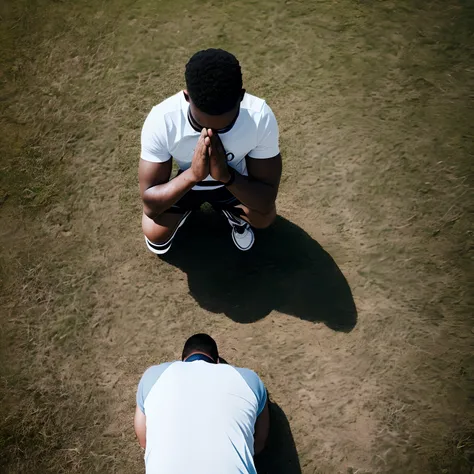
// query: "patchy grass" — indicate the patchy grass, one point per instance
point(373, 104)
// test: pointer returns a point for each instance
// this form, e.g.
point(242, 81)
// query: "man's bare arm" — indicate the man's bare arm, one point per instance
point(262, 429)
point(139, 424)
point(258, 190)
point(158, 192)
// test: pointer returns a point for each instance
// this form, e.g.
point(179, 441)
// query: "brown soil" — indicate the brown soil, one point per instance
point(355, 308)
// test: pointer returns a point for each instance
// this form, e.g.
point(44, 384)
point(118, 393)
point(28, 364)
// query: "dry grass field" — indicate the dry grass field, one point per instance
point(355, 308)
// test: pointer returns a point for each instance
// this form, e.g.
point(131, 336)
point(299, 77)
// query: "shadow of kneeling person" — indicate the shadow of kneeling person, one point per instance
point(280, 455)
point(286, 270)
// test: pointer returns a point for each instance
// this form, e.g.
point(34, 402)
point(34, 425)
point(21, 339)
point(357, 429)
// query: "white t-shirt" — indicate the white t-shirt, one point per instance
point(200, 417)
point(168, 134)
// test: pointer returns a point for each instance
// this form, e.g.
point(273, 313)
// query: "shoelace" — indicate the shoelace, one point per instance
point(236, 223)
point(240, 229)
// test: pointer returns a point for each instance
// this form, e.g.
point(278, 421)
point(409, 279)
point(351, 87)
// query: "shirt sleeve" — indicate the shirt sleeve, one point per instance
point(267, 136)
point(154, 142)
point(149, 378)
point(256, 385)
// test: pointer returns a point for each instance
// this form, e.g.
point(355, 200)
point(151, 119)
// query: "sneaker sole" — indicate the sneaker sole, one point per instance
point(241, 248)
point(237, 221)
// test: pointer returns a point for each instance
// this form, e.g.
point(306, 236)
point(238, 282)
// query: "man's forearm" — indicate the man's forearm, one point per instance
point(254, 194)
point(161, 197)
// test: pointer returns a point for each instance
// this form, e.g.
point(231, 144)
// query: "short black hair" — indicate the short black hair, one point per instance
point(201, 343)
point(214, 81)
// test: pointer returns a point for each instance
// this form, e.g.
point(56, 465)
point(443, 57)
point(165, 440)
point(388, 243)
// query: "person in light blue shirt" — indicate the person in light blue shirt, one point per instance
point(200, 415)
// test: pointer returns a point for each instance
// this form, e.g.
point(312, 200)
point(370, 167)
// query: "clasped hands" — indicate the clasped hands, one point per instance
point(210, 158)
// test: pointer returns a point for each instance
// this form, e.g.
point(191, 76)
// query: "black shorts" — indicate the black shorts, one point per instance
point(220, 198)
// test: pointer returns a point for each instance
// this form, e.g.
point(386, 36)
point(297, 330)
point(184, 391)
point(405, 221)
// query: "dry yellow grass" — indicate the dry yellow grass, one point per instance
point(374, 101)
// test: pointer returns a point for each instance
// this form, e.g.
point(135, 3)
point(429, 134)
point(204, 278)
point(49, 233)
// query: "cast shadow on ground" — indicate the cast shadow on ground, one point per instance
point(280, 455)
point(286, 270)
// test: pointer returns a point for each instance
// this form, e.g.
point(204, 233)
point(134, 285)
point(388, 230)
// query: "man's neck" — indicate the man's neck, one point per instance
point(199, 356)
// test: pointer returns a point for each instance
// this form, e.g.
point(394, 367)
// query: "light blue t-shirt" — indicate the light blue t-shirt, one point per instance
point(200, 417)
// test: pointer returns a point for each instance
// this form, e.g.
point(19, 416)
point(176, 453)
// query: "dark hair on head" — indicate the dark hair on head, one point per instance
point(200, 343)
point(214, 81)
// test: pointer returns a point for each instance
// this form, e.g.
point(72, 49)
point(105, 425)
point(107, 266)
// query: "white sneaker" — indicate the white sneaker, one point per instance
point(161, 249)
point(242, 233)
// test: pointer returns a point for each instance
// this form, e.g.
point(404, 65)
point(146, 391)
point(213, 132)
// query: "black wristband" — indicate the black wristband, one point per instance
point(232, 177)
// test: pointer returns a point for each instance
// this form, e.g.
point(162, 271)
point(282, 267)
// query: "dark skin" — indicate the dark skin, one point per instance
point(257, 192)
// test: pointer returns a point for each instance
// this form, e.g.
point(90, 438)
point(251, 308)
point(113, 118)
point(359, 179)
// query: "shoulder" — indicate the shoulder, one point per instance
point(148, 380)
point(156, 370)
point(251, 378)
point(157, 126)
point(172, 104)
point(168, 107)
point(256, 106)
point(261, 115)
point(255, 384)
point(153, 373)
point(252, 103)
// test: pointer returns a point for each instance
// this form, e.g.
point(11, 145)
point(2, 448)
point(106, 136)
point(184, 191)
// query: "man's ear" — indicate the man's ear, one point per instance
point(186, 95)
point(242, 94)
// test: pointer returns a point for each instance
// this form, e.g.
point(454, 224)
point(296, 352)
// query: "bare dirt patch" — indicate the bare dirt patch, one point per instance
point(356, 308)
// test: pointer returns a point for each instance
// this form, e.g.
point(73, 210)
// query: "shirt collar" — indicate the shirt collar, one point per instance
point(196, 127)
point(203, 357)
